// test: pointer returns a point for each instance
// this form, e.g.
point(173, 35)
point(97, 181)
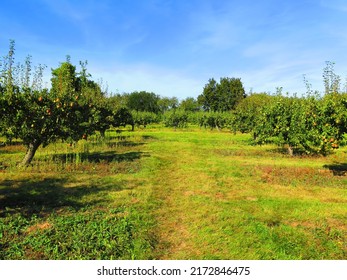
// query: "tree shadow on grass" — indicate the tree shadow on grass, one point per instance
point(118, 137)
point(126, 138)
point(97, 157)
point(338, 169)
point(125, 144)
point(112, 157)
point(42, 197)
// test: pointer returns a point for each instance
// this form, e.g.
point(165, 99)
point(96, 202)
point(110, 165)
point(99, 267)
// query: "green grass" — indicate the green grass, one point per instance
point(157, 193)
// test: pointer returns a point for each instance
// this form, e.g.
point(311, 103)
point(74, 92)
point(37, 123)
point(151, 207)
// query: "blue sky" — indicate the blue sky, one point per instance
point(173, 47)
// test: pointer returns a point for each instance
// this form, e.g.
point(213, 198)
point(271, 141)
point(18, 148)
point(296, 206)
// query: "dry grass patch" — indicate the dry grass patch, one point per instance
point(39, 226)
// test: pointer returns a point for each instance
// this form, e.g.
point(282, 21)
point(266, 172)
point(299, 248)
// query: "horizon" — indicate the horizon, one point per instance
point(172, 48)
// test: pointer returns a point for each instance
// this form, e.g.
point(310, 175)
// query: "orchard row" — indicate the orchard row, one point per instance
point(310, 124)
point(75, 107)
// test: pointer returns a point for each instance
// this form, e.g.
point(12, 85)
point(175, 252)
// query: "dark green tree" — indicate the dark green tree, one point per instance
point(223, 96)
point(230, 92)
point(143, 101)
point(117, 101)
point(209, 98)
point(190, 104)
point(122, 117)
point(167, 103)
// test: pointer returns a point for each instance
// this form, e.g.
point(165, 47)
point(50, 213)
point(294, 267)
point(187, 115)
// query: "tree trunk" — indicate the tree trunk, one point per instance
point(102, 133)
point(290, 150)
point(32, 148)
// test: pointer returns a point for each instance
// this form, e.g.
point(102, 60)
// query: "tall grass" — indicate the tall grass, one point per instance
point(75, 202)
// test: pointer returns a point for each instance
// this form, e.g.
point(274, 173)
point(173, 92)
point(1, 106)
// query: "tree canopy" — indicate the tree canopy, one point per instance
point(222, 96)
point(143, 101)
point(39, 116)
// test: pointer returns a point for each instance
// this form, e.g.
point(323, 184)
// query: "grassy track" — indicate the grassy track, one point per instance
point(224, 199)
point(164, 194)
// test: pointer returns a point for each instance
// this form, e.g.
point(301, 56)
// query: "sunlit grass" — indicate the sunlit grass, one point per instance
point(165, 194)
point(76, 203)
point(224, 199)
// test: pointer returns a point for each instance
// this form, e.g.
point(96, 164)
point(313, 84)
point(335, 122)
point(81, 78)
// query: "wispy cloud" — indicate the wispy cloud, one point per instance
point(282, 65)
point(339, 5)
point(69, 10)
point(174, 47)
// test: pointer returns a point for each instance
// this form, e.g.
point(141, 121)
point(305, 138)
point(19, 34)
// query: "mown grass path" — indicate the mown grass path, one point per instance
point(218, 198)
point(172, 188)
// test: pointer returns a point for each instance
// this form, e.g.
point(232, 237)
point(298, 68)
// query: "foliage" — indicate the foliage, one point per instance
point(209, 98)
point(231, 92)
point(101, 119)
point(309, 124)
point(64, 80)
point(282, 121)
point(223, 96)
point(144, 118)
point(116, 101)
point(333, 122)
point(101, 113)
point(167, 103)
point(74, 96)
point(212, 120)
point(176, 119)
point(38, 116)
point(76, 106)
point(143, 101)
point(189, 104)
point(331, 79)
point(247, 111)
point(122, 117)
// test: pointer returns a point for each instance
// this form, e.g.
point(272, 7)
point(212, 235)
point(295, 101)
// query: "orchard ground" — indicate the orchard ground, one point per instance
point(156, 193)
